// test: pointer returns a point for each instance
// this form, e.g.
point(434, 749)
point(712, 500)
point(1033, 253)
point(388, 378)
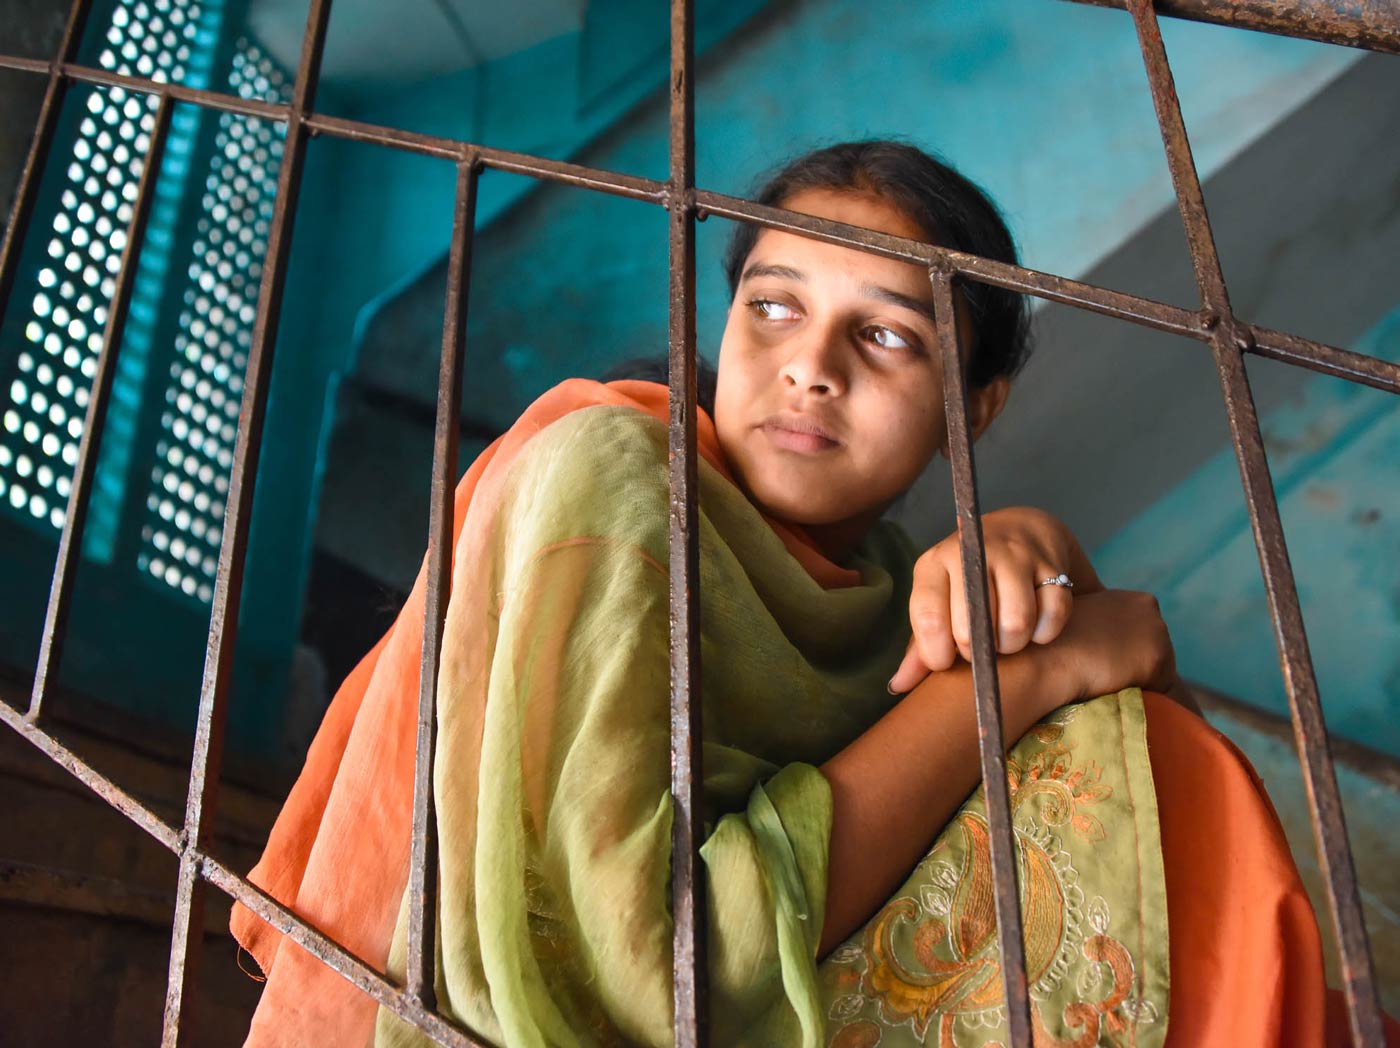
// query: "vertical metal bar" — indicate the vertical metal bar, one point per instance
point(71, 538)
point(688, 940)
point(1199, 237)
point(1229, 341)
point(186, 933)
point(422, 875)
point(31, 176)
point(991, 741)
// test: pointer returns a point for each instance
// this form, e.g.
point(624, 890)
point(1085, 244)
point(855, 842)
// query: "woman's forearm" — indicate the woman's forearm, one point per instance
point(897, 785)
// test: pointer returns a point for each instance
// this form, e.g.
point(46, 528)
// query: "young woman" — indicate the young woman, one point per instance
point(846, 864)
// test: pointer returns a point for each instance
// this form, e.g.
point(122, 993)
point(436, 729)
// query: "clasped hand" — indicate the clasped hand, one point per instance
point(1103, 640)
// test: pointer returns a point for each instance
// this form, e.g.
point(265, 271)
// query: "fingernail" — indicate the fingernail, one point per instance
point(890, 687)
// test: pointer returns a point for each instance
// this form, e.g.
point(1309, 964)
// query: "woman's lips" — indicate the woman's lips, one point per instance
point(798, 433)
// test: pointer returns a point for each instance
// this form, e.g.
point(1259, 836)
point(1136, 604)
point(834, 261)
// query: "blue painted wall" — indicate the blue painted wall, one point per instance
point(1334, 453)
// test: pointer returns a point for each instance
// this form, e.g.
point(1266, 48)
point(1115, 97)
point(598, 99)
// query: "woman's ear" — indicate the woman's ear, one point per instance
point(985, 404)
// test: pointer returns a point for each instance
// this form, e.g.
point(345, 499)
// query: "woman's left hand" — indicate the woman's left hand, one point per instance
point(1023, 546)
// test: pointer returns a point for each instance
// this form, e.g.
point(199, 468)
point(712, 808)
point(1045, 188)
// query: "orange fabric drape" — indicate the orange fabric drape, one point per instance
point(338, 853)
point(1246, 953)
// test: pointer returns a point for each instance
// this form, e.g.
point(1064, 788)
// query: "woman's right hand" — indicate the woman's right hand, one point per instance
point(1115, 639)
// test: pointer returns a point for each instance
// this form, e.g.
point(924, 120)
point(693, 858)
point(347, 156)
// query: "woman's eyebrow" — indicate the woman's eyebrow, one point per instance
point(769, 269)
point(898, 298)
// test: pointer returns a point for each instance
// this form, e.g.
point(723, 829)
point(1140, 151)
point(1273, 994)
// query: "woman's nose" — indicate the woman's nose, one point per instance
point(814, 362)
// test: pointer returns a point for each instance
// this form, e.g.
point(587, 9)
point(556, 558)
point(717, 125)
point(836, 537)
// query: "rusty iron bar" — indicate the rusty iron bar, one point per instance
point(1287, 348)
point(1200, 238)
point(1373, 25)
point(336, 957)
point(1228, 340)
point(27, 191)
point(688, 954)
point(423, 864)
point(186, 940)
point(210, 99)
point(106, 790)
point(1300, 681)
point(991, 740)
point(70, 540)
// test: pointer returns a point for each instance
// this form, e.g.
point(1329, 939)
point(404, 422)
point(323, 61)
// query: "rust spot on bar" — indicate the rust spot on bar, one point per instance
point(991, 742)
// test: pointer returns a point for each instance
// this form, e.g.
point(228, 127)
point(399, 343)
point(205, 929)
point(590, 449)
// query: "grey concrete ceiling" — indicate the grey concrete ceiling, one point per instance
point(374, 43)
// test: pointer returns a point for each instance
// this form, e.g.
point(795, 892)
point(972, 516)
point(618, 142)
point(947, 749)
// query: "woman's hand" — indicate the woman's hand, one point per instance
point(1117, 639)
point(1023, 546)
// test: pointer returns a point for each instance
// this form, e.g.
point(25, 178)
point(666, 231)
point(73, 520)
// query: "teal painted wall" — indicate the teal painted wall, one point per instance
point(1334, 453)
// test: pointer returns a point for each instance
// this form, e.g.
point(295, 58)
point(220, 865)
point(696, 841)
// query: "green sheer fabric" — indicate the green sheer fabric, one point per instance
point(552, 777)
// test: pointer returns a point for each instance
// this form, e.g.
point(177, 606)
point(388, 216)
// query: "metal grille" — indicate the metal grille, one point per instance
point(72, 292)
point(189, 481)
point(1374, 25)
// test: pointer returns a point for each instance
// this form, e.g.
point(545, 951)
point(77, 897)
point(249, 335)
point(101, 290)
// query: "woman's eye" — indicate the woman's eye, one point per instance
point(768, 309)
point(887, 339)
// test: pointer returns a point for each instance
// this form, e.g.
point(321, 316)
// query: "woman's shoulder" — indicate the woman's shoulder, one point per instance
point(599, 444)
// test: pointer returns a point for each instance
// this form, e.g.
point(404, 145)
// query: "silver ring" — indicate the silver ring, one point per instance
point(1056, 580)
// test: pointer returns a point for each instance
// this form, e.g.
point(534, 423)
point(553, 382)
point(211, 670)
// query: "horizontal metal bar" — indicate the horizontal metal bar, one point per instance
point(578, 175)
point(1195, 324)
point(145, 85)
point(1328, 360)
point(1370, 24)
point(1190, 323)
point(107, 791)
point(336, 957)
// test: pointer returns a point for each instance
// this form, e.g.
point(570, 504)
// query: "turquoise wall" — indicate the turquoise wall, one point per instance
point(1334, 453)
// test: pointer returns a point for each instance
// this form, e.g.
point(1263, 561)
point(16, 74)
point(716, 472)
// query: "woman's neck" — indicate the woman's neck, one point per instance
point(838, 540)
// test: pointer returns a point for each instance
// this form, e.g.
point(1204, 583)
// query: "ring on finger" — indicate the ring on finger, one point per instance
point(1056, 580)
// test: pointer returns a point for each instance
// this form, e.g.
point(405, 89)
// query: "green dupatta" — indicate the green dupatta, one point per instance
point(554, 812)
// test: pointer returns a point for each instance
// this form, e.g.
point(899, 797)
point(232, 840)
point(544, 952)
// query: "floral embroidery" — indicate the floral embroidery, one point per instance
point(926, 969)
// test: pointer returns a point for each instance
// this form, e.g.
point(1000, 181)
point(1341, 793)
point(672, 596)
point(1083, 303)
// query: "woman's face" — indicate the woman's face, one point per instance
point(830, 396)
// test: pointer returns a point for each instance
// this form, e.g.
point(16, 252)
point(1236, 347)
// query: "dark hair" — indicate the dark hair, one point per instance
point(657, 369)
point(952, 212)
